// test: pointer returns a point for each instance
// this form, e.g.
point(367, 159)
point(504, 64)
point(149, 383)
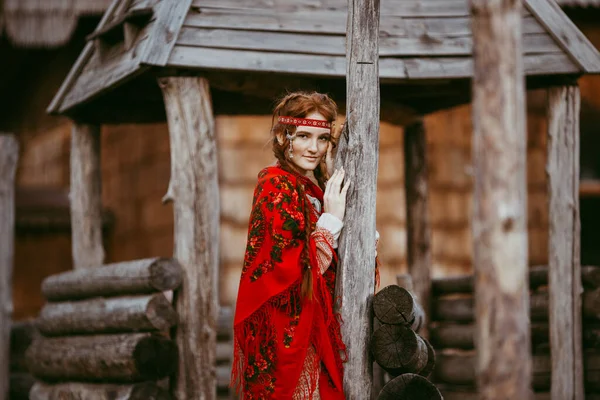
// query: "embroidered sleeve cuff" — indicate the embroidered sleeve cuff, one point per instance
point(333, 224)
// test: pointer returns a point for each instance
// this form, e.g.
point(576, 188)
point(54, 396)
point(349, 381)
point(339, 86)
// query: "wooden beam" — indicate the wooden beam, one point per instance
point(566, 33)
point(358, 154)
point(194, 188)
point(418, 230)
point(564, 272)
point(503, 367)
point(86, 196)
point(98, 391)
point(9, 153)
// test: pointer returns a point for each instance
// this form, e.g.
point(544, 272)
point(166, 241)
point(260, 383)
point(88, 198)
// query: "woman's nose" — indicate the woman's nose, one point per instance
point(313, 146)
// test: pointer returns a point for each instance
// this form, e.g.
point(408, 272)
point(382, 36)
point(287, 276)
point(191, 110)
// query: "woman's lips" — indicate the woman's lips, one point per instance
point(311, 158)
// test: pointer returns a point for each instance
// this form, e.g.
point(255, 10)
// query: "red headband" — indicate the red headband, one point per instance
point(304, 122)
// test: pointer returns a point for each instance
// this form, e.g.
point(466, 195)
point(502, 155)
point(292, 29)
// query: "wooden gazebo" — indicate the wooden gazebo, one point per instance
point(214, 57)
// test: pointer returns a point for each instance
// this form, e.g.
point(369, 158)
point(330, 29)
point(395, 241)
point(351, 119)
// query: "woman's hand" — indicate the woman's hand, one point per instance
point(334, 198)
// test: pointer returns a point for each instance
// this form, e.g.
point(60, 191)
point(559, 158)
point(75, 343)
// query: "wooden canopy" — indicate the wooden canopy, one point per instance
point(252, 50)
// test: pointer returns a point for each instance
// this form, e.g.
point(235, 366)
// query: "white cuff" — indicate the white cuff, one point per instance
point(333, 224)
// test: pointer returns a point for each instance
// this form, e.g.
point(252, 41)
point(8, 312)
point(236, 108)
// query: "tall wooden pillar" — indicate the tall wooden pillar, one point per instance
point(417, 218)
point(564, 272)
point(358, 153)
point(194, 188)
point(503, 369)
point(86, 196)
point(9, 153)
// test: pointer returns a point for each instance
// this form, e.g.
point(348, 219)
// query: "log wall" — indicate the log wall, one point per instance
point(452, 333)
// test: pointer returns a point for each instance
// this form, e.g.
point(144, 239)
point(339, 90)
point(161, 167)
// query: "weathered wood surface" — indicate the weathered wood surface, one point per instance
point(334, 22)
point(461, 336)
point(21, 335)
point(398, 349)
point(107, 315)
point(566, 33)
point(418, 229)
point(409, 387)
point(396, 305)
point(461, 309)
point(390, 68)
point(538, 276)
point(434, 8)
point(503, 367)
point(564, 269)
point(114, 358)
point(389, 46)
point(125, 278)
point(20, 384)
point(451, 392)
point(9, 154)
point(86, 196)
point(458, 368)
point(169, 18)
point(194, 187)
point(96, 391)
point(358, 154)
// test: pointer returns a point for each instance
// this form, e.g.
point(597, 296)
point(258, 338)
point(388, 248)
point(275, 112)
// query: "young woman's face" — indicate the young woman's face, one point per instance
point(310, 144)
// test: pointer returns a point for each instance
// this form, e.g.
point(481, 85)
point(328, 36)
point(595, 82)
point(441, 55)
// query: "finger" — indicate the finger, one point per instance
point(345, 188)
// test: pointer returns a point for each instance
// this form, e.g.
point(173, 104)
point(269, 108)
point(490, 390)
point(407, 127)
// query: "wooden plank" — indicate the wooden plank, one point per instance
point(9, 154)
point(331, 66)
point(334, 22)
point(169, 19)
point(86, 197)
point(335, 45)
point(418, 229)
point(358, 155)
point(199, 57)
point(402, 8)
point(564, 31)
point(564, 272)
point(428, 68)
point(105, 76)
point(503, 366)
point(80, 64)
point(194, 188)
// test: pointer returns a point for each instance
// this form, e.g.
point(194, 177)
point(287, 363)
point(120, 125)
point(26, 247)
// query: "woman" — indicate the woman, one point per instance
point(286, 335)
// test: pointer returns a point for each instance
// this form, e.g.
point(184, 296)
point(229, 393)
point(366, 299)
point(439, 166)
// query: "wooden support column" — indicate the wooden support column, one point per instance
point(194, 188)
point(9, 153)
point(358, 153)
point(417, 218)
point(564, 272)
point(86, 196)
point(503, 369)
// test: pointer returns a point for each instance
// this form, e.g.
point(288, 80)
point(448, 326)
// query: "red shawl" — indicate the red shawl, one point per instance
point(274, 325)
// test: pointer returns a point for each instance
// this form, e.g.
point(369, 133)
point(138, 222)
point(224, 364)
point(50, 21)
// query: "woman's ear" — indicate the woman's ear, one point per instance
point(279, 137)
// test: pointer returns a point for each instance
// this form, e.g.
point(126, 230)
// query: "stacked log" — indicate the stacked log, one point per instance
point(452, 332)
point(397, 347)
point(105, 332)
point(22, 334)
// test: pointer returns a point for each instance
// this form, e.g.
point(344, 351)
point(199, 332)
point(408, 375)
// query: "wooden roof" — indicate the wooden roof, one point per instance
point(421, 41)
point(45, 23)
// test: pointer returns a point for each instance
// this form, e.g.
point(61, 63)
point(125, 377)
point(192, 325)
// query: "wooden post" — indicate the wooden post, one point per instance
point(358, 154)
point(86, 196)
point(194, 187)
point(417, 219)
point(564, 271)
point(500, 202)
point(9, 153)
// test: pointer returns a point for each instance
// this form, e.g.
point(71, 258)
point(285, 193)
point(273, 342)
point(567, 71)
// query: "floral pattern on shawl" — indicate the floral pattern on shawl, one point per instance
point(273, 325)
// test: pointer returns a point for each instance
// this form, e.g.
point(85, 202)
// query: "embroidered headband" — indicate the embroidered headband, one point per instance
point(304, 122)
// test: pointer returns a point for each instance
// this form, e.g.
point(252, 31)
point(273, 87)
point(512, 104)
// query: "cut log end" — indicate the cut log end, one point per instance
point(153, 348)
point(409, 387)
point(394, 305)
point(166, 274)
point(161, 313)
point(398, 349)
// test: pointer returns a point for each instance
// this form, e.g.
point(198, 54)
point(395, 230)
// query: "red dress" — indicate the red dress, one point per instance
point(285, 346)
